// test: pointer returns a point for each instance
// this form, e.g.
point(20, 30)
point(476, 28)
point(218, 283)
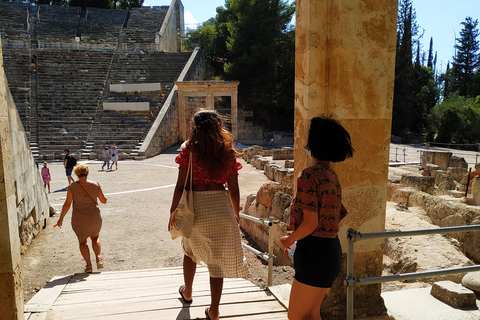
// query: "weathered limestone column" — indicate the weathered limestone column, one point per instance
point(181, 115)
point(210, 102)
point(234, 113)
point(345, 56)
point(11, 293)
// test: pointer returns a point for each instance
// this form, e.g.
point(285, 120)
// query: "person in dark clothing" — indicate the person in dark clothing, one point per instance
point(69, 162)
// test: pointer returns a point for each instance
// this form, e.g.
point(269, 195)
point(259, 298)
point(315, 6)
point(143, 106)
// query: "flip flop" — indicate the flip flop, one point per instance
point(206, 313)
point(181, 294)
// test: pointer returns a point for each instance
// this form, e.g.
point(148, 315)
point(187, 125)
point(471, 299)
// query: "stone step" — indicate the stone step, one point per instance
point(454, 294)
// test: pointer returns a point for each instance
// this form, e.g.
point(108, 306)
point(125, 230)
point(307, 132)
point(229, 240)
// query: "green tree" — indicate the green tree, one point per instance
point(466, 60)
point(253, 41)
point(455, 120)
point(404, 72)
point(128, 4)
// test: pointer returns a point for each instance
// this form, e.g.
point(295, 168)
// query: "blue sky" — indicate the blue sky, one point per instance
point(441, 19)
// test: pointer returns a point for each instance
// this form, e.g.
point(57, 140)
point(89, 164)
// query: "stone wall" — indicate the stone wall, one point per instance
point(11, 293)
point(31, 200)
point(165, 131)
point(172, 29)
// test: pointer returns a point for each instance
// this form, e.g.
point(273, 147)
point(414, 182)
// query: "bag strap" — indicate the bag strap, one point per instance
point(87, 193)
point(189, 173)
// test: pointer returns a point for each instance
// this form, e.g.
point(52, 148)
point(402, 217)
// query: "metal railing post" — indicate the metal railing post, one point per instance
point(270, 256)
point(350, 280)
point(265, 256)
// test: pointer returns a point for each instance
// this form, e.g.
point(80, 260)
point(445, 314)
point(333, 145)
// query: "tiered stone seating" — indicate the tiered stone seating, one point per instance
point(113, 127)
point(57, 23)
point(64, 95)
point(17, 69)
point(69, 91)
point(103, 25)
point(13, 21)
point(144, 23)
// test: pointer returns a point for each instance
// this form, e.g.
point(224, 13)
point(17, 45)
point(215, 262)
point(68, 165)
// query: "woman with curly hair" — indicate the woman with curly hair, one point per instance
point(86, 218)
point(215, 241)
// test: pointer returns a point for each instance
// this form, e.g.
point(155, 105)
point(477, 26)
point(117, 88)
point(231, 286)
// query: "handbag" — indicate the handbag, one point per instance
point(181, 219)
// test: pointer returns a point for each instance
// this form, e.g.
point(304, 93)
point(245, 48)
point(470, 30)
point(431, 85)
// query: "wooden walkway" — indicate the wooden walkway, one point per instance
point(151, 294)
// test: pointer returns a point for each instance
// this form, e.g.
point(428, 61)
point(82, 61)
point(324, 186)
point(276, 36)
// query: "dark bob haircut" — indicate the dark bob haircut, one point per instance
point(328, 140)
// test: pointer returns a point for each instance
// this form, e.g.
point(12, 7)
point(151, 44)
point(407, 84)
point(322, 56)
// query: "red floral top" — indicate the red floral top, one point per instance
point(318, 190)
point(201, 175)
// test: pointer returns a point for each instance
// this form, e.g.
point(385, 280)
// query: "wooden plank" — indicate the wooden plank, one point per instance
point(44, 299)
point(160, 293)
point(38, 316)
point(139, 304)
point(282, 293)
point(26, 315)
point(270, 316)
point(187, 313)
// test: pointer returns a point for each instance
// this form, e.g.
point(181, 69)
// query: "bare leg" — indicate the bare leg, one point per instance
point(96, 246)
point(70, 180)
point(189, 268)
point(85, 251)
point(216, 287)
point(305, 302)
point(48, 184)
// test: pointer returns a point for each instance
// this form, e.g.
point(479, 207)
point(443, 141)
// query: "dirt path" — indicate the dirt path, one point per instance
point(134, 234)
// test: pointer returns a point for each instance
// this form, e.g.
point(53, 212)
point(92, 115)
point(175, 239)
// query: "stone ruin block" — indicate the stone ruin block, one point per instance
point(417, 182)
point(441, 177)
point(458, 162)
point(270, 170)
point(453, 294)
point(457, 173)
point(285, 153)
point(289, 163)
point(280, 174)
point(472, 281)
point(440, 158)
point(429, 169)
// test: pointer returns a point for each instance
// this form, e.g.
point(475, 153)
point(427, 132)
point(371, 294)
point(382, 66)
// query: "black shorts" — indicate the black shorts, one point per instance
point(317, 261)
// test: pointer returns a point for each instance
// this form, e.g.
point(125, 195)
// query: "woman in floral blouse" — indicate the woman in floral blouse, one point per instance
point(315, 217)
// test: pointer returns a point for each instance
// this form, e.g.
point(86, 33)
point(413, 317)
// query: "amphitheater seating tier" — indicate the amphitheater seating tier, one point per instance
point(144, 23)
point(60, 92)
point(57, 23)
point(12, 27)
point(103, 24)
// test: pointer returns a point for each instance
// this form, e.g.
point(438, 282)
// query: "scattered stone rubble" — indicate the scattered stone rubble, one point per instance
point(449, 196)
point(273, 199)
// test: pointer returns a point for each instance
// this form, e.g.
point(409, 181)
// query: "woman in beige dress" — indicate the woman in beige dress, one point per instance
point(86, 218)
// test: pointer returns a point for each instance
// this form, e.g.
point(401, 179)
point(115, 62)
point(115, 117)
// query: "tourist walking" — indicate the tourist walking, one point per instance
point(86, 218)
point(315, 216)
point(106, 158)
point(69, 163)
point(215, 241)
point(46, 176)
point(114, 156)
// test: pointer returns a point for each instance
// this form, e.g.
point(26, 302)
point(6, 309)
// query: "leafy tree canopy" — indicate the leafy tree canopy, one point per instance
point(253, 41)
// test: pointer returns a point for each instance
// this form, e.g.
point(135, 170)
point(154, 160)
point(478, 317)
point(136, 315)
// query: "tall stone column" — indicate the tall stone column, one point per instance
point(345, 61)
point(11, 293)
point(234, 114)
point(182, 122)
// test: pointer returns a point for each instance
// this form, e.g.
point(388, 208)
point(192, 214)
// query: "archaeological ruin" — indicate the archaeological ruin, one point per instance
point(86, 79)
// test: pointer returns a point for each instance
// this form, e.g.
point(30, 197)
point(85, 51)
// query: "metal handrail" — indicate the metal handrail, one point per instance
point(353, 235)
point(268, 256)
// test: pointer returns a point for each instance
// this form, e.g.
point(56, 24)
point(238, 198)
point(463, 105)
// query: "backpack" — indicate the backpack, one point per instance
point(72, 161)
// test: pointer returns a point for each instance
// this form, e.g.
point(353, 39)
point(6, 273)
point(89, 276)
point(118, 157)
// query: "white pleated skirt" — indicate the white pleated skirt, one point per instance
point(216, 241)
